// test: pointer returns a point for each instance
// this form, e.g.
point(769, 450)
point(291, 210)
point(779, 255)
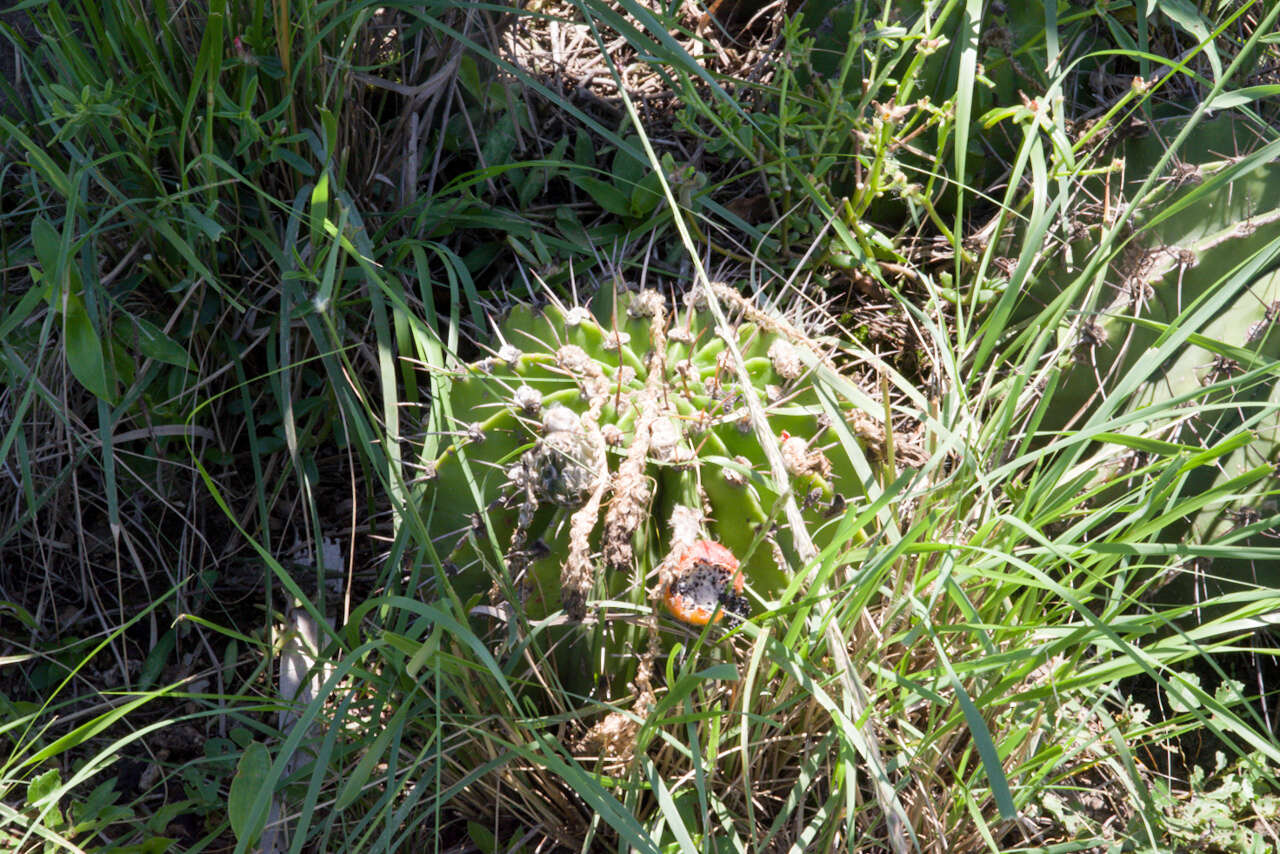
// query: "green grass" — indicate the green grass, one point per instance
point(238, 281)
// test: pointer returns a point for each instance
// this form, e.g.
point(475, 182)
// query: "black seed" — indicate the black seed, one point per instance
point(735, 605)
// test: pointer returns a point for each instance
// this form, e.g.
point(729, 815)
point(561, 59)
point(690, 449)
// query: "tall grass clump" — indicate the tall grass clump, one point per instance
point(178, 315)
point(1007, 671)
point(612, 426)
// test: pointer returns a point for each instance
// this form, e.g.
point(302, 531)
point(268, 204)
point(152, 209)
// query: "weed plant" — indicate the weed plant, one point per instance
point(248, 247)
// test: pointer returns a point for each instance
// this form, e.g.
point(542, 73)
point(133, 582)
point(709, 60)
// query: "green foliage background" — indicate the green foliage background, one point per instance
point(247, 245)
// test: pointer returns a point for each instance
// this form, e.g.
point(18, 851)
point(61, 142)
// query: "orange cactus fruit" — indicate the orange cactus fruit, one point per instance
point(706, 583)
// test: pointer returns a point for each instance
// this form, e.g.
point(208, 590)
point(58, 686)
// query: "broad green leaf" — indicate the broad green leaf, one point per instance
point(43, 786)
point(627, 168)
point(156, 659)
point(247, 788)
point(210, 228)
point(605, 195)
point(1181, 696)
point(584, 153)
point(646, 195)
point(1185, 14)
point(84, 350)
point(482, 837)
point(154, 344)
point(47, 243)
point(1242, 96)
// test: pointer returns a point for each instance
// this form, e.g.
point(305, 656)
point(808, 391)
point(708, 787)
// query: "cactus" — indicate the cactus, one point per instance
point(1212, 268)
point(1170, 266)
point(622, 432)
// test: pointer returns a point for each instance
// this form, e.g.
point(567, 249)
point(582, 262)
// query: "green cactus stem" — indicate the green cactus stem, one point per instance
point(628, 410)
point(1191, 339)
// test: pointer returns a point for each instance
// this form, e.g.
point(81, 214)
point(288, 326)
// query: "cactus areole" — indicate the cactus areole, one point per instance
point(586, 428)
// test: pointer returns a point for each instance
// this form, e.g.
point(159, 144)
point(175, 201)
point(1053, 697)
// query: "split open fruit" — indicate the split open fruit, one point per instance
point(706, 583)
